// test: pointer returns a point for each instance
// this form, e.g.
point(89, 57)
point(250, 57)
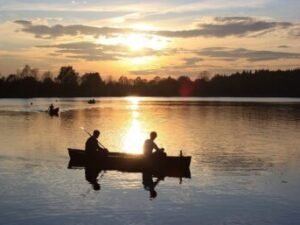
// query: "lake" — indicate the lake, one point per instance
point(245, 165)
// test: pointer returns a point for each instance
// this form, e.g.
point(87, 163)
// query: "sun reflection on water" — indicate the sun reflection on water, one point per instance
point(134, 102)
point(134, 138)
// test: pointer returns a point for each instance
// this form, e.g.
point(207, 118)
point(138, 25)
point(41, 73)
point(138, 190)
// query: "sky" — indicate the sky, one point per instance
point(149, 38)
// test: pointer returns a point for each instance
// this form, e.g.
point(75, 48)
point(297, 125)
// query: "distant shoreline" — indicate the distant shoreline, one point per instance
point(171, 98)
point(68, 83)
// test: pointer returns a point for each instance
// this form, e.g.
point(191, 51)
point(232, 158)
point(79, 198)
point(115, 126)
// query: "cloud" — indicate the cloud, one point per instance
point(25, 23)
point(87, 51)
point(216, 27)
point(192, 61)
point(180, 69)
point(145, 72)
point(93, 52)
point(283, 46)
point(232, 54)
point(295, 31)
point(227, 26)
point(45, 31)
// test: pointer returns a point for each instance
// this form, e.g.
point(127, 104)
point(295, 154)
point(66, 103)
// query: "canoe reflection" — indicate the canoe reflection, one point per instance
point(150, 178)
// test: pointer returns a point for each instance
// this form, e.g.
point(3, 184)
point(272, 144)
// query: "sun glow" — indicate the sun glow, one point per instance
point(134, 101)
point(139, 60)
point(138, 47)
point(138, 42)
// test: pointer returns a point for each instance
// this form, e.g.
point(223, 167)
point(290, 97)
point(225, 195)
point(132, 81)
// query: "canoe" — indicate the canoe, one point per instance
point(174, 166)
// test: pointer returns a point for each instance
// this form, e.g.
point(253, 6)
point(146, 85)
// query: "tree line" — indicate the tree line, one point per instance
point(26, 83)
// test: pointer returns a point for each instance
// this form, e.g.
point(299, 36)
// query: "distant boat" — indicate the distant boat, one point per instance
point(54, 112)
point(92, 101)
point(170, 165)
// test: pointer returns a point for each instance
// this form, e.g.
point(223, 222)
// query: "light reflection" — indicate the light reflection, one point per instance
point(134, 138)
point(134, 102)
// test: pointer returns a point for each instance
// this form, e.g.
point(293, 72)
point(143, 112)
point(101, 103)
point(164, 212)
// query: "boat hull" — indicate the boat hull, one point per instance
point(167, 166)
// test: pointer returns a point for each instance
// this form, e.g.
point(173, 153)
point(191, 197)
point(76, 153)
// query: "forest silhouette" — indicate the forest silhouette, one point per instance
point(27, 83)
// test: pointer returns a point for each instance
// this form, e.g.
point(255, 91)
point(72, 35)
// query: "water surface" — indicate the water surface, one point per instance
point(245, 166)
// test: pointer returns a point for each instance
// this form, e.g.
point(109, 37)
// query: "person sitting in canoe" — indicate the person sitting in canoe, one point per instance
point(149, 145)
point(92, 147)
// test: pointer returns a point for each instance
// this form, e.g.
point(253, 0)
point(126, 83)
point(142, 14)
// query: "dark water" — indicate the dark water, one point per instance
point(245, 166)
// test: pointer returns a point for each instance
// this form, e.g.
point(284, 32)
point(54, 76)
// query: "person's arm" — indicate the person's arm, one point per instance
point(155, 147)
point(99, 148)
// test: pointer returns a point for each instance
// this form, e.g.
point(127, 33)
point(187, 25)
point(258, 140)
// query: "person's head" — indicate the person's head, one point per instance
point(153, 135)
point(96, 133)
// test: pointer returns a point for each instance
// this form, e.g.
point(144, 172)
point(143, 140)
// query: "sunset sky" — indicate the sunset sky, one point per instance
point(149, 38)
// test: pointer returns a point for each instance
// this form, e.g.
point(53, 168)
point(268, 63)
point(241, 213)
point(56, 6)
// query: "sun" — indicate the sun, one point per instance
point(141, 47)
point(136, 42)
point(139, 42)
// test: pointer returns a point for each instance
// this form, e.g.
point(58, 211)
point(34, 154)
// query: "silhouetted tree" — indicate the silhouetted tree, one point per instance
point(92, 85)
point(186, 86)
point(68, 79)
point(68, 83)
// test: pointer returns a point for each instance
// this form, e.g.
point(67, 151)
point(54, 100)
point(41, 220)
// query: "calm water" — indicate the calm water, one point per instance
point(245, 166)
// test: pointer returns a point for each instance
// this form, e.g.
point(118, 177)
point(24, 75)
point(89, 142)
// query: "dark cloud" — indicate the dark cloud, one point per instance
point(218, 27)
point(88, 51)
point(231, 54)
point(44, 31)
point(283, 46)
point(192, 61)
point(227, 26)
point(93, 52)
point(23, 22)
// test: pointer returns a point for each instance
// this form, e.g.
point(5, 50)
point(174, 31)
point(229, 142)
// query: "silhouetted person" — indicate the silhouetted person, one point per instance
point(92, 101)
point(91, 175)
point(92, 147)
point(51, 108)
point(149, 184)
point(149, 145)
point(53, 111)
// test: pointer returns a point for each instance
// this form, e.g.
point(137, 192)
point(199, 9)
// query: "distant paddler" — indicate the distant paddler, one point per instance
point(149, 145)
point(52, 110)
point(92, 101)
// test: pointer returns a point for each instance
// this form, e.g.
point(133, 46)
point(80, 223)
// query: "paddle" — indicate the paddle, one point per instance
point(101, 145)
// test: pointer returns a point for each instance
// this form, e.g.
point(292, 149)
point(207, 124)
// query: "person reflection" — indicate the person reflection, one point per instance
point(149, 184)
point(91, 175)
